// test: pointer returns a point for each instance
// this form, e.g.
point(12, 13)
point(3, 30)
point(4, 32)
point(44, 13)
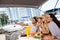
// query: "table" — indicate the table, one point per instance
point(27, 38)
point(12, 27)
point(2, 37)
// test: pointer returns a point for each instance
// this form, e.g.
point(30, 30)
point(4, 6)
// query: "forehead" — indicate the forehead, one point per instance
point(47, 15)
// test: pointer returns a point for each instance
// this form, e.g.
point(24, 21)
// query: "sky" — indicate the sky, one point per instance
point(50, 5)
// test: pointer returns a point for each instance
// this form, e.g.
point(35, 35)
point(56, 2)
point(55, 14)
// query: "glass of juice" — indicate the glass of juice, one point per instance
point(27, 30)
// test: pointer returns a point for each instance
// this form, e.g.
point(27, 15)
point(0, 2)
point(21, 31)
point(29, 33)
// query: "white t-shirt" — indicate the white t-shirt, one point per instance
point(54, 29)
point(34, 28)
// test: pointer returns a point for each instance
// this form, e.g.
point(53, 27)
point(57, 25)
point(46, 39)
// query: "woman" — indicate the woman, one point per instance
point(39, 24)
point(42, 25)
point(45, 26)
point(55, 19)
point(53, 25)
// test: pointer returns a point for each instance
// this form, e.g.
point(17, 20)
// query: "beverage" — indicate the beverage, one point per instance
point(28, 29)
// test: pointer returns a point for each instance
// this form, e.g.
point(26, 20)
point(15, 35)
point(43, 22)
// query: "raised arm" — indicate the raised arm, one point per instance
point(22, 24)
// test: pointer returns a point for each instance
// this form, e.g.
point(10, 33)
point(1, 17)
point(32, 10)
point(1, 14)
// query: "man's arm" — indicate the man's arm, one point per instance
point(22, 24)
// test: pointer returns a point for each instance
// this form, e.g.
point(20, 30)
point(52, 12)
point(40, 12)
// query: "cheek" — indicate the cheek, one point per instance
point(43, 19)
point(33, 20)
point(48, 19)
point(39, 20)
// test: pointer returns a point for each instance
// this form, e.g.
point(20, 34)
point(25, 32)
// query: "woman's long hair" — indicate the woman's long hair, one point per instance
point(55, 19)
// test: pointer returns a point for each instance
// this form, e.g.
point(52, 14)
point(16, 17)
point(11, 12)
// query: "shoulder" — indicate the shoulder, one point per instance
point(51, 23)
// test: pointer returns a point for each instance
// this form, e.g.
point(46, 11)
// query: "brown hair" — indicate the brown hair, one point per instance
point(55, 20)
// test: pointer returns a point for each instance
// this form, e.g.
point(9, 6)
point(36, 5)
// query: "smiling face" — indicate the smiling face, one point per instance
point(33, 20)
point(44, 18)
point(39, 19)
point(48, 18)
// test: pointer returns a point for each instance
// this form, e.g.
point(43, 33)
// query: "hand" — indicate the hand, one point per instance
point(49, 38)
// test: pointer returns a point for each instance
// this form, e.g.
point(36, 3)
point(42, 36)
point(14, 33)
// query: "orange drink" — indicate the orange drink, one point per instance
point(27, 30)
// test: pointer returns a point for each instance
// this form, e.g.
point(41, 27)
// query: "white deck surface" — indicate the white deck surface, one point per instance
point(2, 37)
point(27, 38)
